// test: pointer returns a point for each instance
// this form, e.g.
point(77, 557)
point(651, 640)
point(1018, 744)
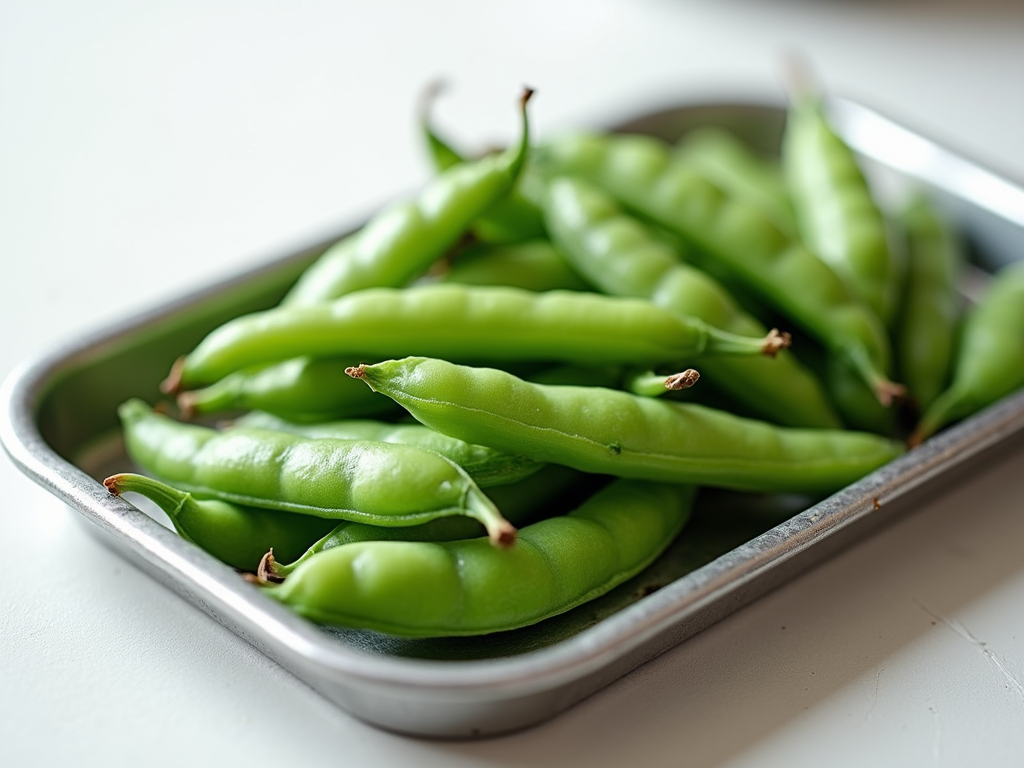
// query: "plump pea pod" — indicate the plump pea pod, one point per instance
point(485, 465)
point(403, 240)
point(524, 502)
point(302, 389)
point(642, 174)
point(932, 305)
point(736, 168)
point(990, 360)
point(619, 256)
point(512, 219)
point(534, 265)
point(462, 588)
point(617, 433)
point(465, 323)
point(837, 216)
point(234, 534)
point(379, 483)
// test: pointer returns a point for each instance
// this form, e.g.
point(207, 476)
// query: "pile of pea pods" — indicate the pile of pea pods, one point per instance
point(606, 314)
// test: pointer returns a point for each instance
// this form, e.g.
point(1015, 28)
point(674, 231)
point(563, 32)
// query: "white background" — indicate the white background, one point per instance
point(148, 148)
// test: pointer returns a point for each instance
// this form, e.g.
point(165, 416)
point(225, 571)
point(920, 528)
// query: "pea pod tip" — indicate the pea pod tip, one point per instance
point(682, 380)
point(172, 384)
point(775, 342)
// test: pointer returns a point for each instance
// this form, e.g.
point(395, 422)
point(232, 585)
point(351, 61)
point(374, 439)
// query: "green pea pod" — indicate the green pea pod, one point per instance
point(617, 433)
point(619, 256)
point(485, 465)
point(466, 323)
point(236, 535)
point(735, 167)
point(404, 240)
point(467, 588)
point(534, 265)
point(837, 216)
point(512, 219)
point(641, 172)
point(990, 361)
point(932, 304)
point(301, 389)
point(379, 483)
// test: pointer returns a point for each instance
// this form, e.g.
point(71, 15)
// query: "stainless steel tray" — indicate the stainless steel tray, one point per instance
point(61, 430)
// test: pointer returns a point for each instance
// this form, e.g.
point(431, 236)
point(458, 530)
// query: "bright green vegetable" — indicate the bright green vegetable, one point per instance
point(616, 433)
point(469, 588)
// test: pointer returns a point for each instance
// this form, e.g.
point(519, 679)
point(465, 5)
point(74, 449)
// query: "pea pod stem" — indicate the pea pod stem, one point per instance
point(648, 384)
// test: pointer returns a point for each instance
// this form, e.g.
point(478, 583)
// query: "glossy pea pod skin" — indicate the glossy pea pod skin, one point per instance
point(926, 333)
point(533, 265)
point(234, 534)
point(403, 241)
point(642, 174)
point(302, 389)
point(616, 433)
point(461, 588)
point(462, 322)
point(363, 481)
point(485, 465)
point(619, 256)
point(989, 363)
point(836, 213)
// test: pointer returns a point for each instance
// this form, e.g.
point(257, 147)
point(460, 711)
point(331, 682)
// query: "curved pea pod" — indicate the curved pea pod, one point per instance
point(302, 389)
point(837, 216)
point(485, 465)
point(619, 256)
point(363, 481)
point(990, 361)
point(641, 172)
point(234, 534)
point(617, 433)
point(735, 167)
point(926, 333)
point(461, 588)
point(534, 265)
point(403, 240)
point(464, 323)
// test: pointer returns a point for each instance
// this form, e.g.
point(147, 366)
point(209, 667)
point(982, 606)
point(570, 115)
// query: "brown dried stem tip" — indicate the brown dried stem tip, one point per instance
point(888, 392)
point(172, 384)
point(683, 380)
point(266, 573)
point(775, 342)
point(503, 534)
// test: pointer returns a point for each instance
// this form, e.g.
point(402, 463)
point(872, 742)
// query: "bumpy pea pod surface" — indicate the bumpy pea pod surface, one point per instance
point(485, 465)
point(403, 240)
point(378, 483)
point(468, 588)
point(837, 215)
point(464, 323)
point(234, 534)
point(617, 433)
point(926, 333)
point(990, 362)
point(619, 256)
point(301, 389)
point(642, 174)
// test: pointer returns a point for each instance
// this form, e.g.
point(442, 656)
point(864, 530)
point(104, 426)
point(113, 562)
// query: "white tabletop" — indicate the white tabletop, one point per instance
point(146, 149)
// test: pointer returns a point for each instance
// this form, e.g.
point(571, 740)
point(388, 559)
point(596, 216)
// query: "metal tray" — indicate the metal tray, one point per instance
point(61, 430)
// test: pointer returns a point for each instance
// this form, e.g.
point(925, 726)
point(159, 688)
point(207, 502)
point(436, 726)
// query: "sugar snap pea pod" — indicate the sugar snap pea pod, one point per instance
point(524, 502)
point(511, 219)
point(403, 240)
point(617, 433)
point(461, 588)
point(989, 362)
point(485, 465)
point(302, 389)
point(379, 483)
point(931, 304)
point(642, 174)
point(234, 534)
point(836, 214)
point(734, 166)
point(620, 256)
point(490, 323)
point(535, 265)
